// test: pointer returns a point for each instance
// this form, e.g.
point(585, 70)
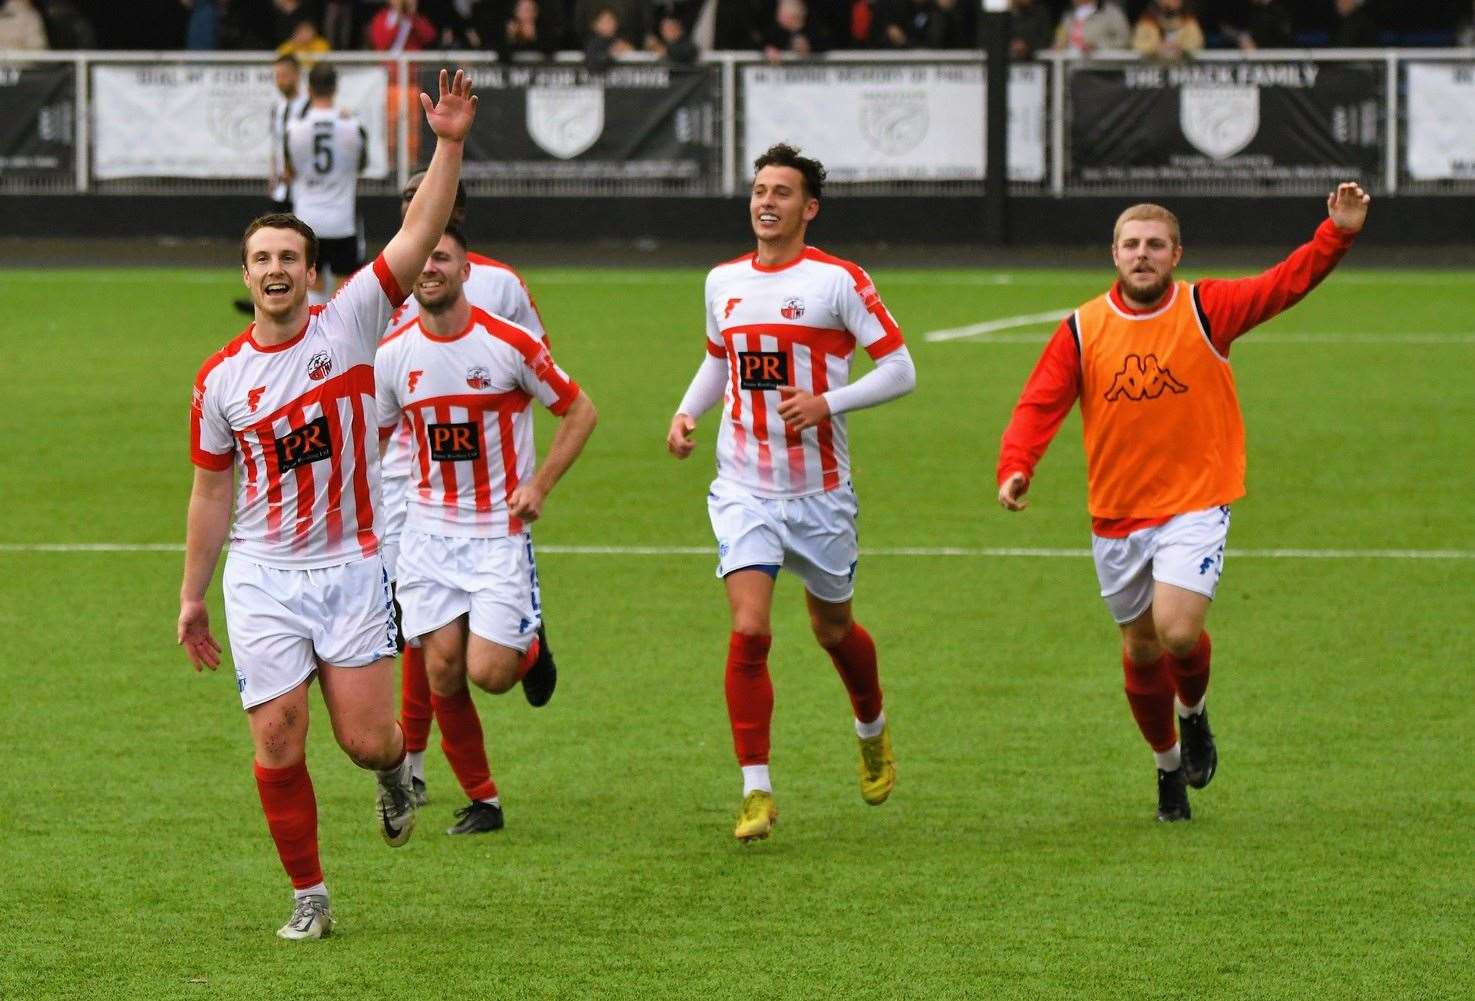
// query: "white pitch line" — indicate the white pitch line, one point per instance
point(914, 551)
point(1003, 323)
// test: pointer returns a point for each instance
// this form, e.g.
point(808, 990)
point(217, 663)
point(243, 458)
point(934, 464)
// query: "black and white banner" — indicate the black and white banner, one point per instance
point(1266, 126)
point(893, 121)
point(211, 120)
point(37, 123)
point(564, 122)
point(1441, 121)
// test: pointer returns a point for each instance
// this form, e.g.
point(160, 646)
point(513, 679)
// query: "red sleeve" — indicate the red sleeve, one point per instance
point(389, 284)
point(424, 31)
point(1232, 308)
point(1051, 391)
point(377, 33)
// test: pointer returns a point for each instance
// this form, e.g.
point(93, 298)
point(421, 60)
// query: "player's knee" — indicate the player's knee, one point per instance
point(446, 674)
point(1179, 638)
point(370, 749)
point(830, 631)
point(494, 674)
point(752, 625)
point(1141, 652)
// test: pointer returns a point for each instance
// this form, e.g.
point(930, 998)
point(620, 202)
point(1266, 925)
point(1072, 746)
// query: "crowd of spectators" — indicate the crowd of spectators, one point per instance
point(606, 30)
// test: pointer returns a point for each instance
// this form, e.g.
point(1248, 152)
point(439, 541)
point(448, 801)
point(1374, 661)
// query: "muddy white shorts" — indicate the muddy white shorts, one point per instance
point(813, 536)
point(394, 494)
point(494, 581)
point(283, 622)
point(1186, 551)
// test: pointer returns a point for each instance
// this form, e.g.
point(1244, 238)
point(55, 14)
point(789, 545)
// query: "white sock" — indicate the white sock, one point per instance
point(872, 729)
point(494, 801)
point(1193, 710)
point(756, 777)
point(1169, 760)
point(320, 890)
point(417, 764)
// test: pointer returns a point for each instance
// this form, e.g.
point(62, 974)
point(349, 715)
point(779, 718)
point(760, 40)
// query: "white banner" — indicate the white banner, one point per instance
point(893, 122)
point(1441, 121)
point(196, 120)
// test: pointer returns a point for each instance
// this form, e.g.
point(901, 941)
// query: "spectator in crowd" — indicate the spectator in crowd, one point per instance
point(400, 27)
point(1167, 31)
point(740, 23)
point(202, 27)
point(1465, 33)
point(671, 42)
point(528, 26)
point(923, 24)
point(454, 19)
point(1031, 28)
point(631, 16)
point(21, 27)
point(1353, 27)
point(1091, 25)
point(1268, 25)
point(338, 23)
point(304, 42)
point(603, 43)
point(67, 27)
point(793, 32)
point(284, 17)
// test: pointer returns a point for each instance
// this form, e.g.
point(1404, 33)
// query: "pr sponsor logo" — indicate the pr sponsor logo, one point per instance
point(763, 370)
point(309, 443)
point(454, 442)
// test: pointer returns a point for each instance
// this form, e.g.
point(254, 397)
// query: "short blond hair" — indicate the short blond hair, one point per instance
point(1146, 212)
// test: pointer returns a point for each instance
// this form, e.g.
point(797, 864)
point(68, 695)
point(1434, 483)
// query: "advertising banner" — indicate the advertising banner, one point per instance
point(1264, 126)
point(1441, 121)
point(199, 120)
point(37, 123)
point(566, 122)
point(893, 121)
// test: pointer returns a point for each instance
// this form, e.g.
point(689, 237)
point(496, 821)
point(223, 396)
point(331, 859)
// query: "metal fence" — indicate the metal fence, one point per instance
point(907, 123)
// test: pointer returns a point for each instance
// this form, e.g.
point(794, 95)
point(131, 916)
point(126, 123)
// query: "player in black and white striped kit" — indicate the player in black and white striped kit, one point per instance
point(325, 151)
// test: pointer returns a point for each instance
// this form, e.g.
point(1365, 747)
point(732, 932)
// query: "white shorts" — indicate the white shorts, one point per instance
point(283, 622)
point(443, 577)
point(812, 536)
point(395, 493)
point(1186, 551)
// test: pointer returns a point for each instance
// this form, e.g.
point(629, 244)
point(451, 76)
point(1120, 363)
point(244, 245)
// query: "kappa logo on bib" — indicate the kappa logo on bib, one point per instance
point(308, 443)
point(762, 370)
point(454, 442)
point(1142, 379)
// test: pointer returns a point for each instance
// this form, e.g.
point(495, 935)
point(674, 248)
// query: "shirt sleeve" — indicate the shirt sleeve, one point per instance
point(540, 376)
point(866, 316)
point(386, 393)
point(716, 346)
point(524, 311)
point(706, 389)
point(212, 443)
point(1048, 395)
point(1230, 308)
point(894, 375)
point(360, 311)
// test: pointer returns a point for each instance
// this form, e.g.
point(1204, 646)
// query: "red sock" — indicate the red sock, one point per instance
point(292, 817)
point(1191, 674)
point(1150, 695)
point(414, 712)
point(461, 740)
point(528, 659)
point(749, 697)
point(855, 660)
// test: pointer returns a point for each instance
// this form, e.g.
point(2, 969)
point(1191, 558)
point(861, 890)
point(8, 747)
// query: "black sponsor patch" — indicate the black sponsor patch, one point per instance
point(763, 369)
point(454, 442)
point(308, 443)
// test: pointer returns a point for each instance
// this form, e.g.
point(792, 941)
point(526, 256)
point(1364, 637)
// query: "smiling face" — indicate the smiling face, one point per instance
point(780, 208)
point(439, 286)
point(277, 271)
point(1145, 253)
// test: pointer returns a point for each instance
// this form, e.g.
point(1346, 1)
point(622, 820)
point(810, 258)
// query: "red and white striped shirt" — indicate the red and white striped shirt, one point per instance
point(794, 324)
point(492, 286)
point(297, 421)
point(468, 398)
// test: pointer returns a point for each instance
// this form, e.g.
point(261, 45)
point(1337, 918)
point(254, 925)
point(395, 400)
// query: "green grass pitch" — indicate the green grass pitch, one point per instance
point(1018, 857)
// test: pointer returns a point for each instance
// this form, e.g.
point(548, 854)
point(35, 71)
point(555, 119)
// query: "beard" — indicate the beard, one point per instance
point(1146, 293)
point(435, 306)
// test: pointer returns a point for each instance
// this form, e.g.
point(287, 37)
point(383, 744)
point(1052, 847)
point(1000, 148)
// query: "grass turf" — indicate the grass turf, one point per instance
point(1018, 857)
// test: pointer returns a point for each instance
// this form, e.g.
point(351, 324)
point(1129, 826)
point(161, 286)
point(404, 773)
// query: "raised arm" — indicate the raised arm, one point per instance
point(425, 220)
point(1048, 395)
point(1233, 307)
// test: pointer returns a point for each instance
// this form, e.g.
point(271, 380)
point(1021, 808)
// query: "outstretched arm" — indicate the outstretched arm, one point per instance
point(425, 220)
point(1232, 308)
point(1048, 395)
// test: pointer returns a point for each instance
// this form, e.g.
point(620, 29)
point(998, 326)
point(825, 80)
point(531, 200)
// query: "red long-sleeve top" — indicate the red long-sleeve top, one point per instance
point(1232, 307)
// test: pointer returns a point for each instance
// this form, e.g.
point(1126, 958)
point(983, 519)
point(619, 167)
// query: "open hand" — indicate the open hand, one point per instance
point(194, 635)
point(450, 117)
point(1347, 206)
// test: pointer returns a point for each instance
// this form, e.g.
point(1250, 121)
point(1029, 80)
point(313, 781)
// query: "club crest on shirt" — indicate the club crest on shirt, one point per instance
point(319, 365)
point(792, 309)
point(478, 377)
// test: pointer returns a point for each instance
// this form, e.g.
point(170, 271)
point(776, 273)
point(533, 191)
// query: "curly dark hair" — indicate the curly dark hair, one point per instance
point(784, 155)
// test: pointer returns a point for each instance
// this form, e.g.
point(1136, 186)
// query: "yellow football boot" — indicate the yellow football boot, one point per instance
point(756, 817)
point(877, 766)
